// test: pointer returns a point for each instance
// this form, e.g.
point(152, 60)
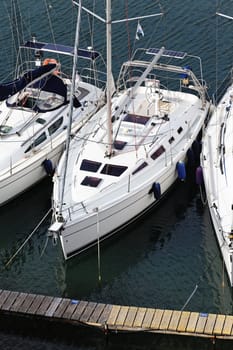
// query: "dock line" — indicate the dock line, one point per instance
point(27, 239)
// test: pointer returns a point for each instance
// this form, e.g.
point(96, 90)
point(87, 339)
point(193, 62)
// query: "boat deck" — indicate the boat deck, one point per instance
point(116, 318)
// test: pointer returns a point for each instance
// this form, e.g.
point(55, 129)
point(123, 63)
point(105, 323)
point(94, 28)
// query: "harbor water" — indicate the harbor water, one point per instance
point(170, 259)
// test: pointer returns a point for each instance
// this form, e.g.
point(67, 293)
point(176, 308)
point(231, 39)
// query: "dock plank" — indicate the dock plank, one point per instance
point(174, 320)
point(218, 328)
point(10, 300)
point(165, 320)
point(23, 308)
point(157, 318)
point(70, 309)
point(35, 304)
point(227, 328)
point(184, 318)
point(103, 319)
point(53, 306)
point(202, 319)
point(191, 326)
point(141, 311)
point(61, 308)
point(89, 309)
point(131, 316)
point(210, 324)
point(3, 296)
point(96, 314)
point(122, 315)
point(113, 315)
point(148, 318)
point(44, 306)
point(79, 310)
point(18, 301)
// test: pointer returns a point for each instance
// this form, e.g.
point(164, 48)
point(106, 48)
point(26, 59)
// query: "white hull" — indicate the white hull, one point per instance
point(217, 165)
point(110, 184)
point(30, 170)
point(79, 235)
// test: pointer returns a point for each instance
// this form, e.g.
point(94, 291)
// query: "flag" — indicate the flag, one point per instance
point(139, 31)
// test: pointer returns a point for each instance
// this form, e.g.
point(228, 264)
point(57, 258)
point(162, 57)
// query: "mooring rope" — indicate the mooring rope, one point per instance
point(190, 297)
point(27, 239)
point(200, 279)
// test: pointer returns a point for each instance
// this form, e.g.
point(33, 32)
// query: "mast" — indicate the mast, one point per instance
point(70, 115)
point(109, 76)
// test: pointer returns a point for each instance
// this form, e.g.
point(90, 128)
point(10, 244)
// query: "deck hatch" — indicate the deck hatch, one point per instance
point(113, 170)
point(91, 181)
point(90, 165)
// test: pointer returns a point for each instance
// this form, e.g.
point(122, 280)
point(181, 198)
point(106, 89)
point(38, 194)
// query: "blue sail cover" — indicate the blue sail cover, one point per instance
point(51, 83)
point(11, 88)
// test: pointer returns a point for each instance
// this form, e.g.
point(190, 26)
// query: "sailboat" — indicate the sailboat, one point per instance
point(217, 170)
point(130, 153)
point(34, 112)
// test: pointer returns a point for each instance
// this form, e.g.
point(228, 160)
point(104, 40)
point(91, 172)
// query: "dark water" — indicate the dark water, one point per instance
point(159, 261)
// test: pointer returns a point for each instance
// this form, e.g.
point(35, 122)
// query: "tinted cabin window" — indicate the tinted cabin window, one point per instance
point(133, 118)
point(141, 166)
point(113, 170)
point(91, 181)
point(55, 126)
point(171, 140)
point(90, 165)
point(37, 141)
point(158, 152)
point(41, 121)
point(180, 130)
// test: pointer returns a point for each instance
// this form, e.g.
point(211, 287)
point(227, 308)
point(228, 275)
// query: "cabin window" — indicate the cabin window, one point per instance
point(179, 130)
point(113, 170)
point(90, 165)
point(91, 181)
point(41, 121)
point(171, 140)
point(133, 118)
point(37, 142)
point(158, 152)
point(55, 126)
point(140, 167)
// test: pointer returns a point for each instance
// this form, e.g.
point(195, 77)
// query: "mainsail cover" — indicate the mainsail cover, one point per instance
point(11, 88)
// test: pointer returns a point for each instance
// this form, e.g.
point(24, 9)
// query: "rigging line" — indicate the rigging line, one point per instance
point(93, 64)
point(50, 22)
point(21, 22)
point(11, 26)
point(27, 239)
point(127, 28)
point(22, 26)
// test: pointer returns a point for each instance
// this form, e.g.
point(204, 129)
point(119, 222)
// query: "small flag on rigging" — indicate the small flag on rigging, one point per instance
point(139, 31)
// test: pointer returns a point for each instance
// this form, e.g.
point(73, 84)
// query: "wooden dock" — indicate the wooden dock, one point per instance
point(116, 318)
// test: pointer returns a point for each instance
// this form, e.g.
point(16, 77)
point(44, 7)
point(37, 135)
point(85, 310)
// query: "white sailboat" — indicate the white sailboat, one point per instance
point(217, 169)
point(124, 160)
point(34, 113)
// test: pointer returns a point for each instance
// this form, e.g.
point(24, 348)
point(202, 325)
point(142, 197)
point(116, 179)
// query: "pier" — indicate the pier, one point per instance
point(116, 318)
